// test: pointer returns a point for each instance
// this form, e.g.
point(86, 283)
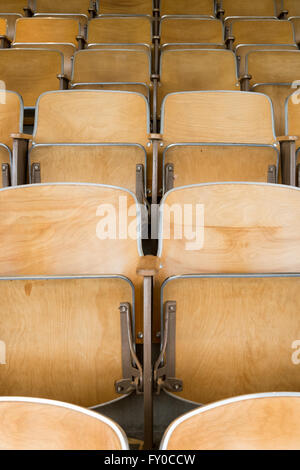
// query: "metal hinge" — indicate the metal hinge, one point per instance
point(35, 173)
point(132, 370)
point(5, 175)
point(164, 369)
point(169, 176)
point(272, 174)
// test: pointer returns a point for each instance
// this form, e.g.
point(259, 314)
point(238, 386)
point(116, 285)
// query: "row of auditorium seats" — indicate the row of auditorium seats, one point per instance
point(226, 8)
point(253, 422)
point(205, 137)
point(235, 251)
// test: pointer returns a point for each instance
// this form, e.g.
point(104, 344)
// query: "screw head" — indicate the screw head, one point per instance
point(119, 389)
point(140, 335)
point(158, 334)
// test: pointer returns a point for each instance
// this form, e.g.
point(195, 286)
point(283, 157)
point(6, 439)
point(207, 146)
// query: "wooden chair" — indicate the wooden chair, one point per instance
point(51, 33)
point(186, 164)
point(187, 7)
point(254, 34)
point(183, 32)
point(122, 165)
point(211, 136)
point(93, 231)
point(126, 7)
point(112, 69)
point(255, 8)
point(11, 121)
point(39, 424)
point(84, 7)
point(273, 73)
point(231, 229)
point(31, 72)
point(104, 117)
point(195, 70)
point(255, 422)
point(126, 31)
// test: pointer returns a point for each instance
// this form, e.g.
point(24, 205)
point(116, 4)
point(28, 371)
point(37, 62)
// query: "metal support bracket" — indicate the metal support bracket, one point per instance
point(245, 82)
point(169, 176)
point(164, 370)
point(36, 173)
point(140, 183)
point(132, 369)
point(5, 175)
point(272, 174)
point(63, 82)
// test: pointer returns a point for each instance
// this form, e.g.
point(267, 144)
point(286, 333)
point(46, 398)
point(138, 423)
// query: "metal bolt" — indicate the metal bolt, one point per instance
point(3, 167)
point(36, 167)
point(119, 389)
point(170, 168)
point(158, 334)
point(140, 335)
point(176, 387)
point(123, 309)
point(138, 168)
point(172, 308)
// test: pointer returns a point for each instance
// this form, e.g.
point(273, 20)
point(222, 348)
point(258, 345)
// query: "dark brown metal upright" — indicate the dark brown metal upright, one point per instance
point(148, 370)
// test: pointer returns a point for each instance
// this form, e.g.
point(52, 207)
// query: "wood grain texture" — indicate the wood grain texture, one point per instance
point(13, 6)
point(262, 32)
point(39, 29)
point(247, 228)
point(278, 95)
point(195, 70)
point(204, 164)
point(63, 339)
point(72, 6)
point(187, 7)
point(274, 66)
point(47, 426)
point(217, 117)
point(120, 30)
point(191, 30)
point(253, 8)
point(3, 27)
point(235, 329)
point(292, 6)
point(10, 111)
point(52, 230)
point(101, 117)
point(115, 165)
point(112, 65)
point(243, 51)
point(129, 7)
point(37, 72)
point(254, 424)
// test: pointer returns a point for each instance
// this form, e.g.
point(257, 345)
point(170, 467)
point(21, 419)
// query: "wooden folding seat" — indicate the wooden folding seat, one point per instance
point(291, 8)
point(273, 73)
point(126, 7)
point(266, 421)
point(31, 72)
point(119, 69)
point(89, 238)
point(236, 8)
point(103, 117)
point(126, 31)
point(228, 228)
point(183, 32)
point(11, 121)
point(40, 424)
point(217, 136)
point(187, 7)
point(82, 7)
point(10, 19)
point(49, 33)
point(13, 6)
point(296, 25)
point(4, 40)
point(196, 69)
point(254, 34)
